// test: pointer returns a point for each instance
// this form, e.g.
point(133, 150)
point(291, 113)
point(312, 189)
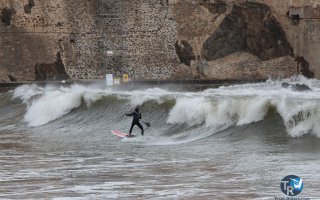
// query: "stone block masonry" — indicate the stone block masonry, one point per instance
point(152, 39)
point(48, 27)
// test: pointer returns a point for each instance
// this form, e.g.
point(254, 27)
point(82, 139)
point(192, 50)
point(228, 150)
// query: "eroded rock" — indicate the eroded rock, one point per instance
point(28, 7)
point(303, 67)
point(51, 71)
point(184, 52)
point(296, 87)
point(12, 78)
point(249, 27)
point(6, 15)
point(215, 7)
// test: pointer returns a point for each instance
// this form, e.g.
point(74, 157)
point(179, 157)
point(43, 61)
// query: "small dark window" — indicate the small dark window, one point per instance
point(295, 19)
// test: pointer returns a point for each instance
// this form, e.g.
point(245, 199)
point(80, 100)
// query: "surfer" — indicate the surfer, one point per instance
point(135, 121)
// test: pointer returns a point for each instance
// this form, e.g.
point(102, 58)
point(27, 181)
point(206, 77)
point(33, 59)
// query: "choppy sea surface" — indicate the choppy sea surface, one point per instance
point(230, 142)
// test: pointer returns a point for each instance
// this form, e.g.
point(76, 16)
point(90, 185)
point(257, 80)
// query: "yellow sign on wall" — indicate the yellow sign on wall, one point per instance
point(125, 78)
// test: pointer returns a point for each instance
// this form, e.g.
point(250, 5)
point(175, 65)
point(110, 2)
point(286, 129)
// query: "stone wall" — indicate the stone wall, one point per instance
point(156, 39)
point(150, 40)
point(141, 35)
point(304, 35)
point(301, 37)
point(243, 65)
point(40, 29)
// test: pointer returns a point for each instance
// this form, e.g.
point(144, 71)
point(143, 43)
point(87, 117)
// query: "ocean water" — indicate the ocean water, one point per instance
point(229, 142)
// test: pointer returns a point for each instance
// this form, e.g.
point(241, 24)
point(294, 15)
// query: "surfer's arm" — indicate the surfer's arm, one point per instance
point(129, 114)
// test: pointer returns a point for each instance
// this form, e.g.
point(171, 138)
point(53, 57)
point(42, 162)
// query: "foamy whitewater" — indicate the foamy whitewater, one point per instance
point(222, 107)
point(230, 142)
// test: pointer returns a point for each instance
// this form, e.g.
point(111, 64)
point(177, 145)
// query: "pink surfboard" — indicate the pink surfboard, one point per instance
point(120, 134)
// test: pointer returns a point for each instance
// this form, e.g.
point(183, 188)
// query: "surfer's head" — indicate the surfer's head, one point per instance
point(137, 109)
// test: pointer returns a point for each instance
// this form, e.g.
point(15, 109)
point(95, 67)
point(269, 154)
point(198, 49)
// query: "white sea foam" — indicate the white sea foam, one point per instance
point(189, 110)
point(300, 117)
point(248, 103)
point(139, 97)
point(52, 102)
point(52, 105)
point(221, 107)
point(222, 112)
point(91, 96)
point(25, 92)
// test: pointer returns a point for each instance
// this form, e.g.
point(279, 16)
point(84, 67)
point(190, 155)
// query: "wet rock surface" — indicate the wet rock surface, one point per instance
point(296, 87)
point(303, 67)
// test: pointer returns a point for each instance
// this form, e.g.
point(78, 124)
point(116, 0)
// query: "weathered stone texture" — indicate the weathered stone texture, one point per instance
point(240, 26)
point(304, 37)
point(156, 39)
point(242, 65)
point(195, 23)
point(20, 52)
point(6, 15)
point(184, 51)
point(51, 71)
point(50, 26)
point(27, 7)
point(249, 27)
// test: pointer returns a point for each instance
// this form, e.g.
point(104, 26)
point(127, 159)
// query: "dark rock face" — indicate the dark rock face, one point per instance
point(217, 7)
point(303, 67)
point(296, 87)
point(6, 15)
point(52, 71)
point(184, 52)
point(251, 28)
point(12, 78)
point(28, 7)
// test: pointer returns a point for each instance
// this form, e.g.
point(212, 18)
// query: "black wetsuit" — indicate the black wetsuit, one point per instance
point(135, 121)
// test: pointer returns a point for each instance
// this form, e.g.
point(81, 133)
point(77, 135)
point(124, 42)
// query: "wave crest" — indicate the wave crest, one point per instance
point(215, 108)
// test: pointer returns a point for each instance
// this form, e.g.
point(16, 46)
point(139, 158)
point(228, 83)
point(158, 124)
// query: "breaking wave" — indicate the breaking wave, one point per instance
point(181, 113)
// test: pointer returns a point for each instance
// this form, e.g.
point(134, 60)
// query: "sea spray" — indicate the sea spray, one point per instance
point(192, 111)
point(300, 117)
point(51, 106)
point(138, 97)
point(25, 92)
point(214, 108)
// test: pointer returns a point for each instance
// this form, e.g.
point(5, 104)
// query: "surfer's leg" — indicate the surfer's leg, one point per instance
point(132, 125)
point(141, 127)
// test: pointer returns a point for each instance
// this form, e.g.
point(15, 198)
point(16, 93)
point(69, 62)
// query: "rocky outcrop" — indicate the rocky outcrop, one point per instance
point(156, 39)
point(214, 7)
point(249, 27)
point(52, 71)
point(12, 78)
point(296, 87)
point(184, 52)
point(243, 65)
point(6, 15)
point(303, 67)
point(28, 7)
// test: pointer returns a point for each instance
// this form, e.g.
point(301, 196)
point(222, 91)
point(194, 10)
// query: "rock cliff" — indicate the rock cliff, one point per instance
point(152, 39)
